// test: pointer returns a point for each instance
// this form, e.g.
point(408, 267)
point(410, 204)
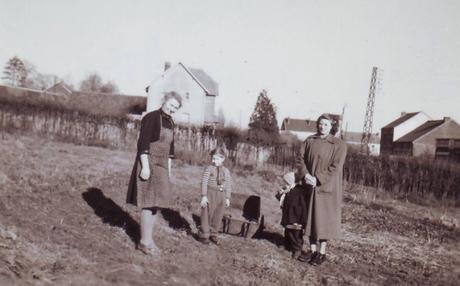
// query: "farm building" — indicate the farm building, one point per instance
point(354, 140)
point(60, 88)
point(303, 128)
point(198, 89)
point(448, 149)
point(398, 128)
point(423, 139)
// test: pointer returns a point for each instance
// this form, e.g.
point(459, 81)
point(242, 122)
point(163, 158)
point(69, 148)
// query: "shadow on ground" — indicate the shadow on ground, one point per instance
point(175, 220)
point(111, 213)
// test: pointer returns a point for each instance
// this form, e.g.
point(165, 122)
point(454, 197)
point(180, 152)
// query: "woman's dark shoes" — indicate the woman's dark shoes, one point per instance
point(214, 239)
point(305, 256)
point(317, 259)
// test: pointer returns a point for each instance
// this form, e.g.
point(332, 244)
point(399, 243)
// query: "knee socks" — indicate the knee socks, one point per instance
point(148, 218)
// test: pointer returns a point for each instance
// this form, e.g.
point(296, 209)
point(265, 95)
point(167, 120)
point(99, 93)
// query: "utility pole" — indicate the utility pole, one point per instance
point(376, 81)
point(342, 134)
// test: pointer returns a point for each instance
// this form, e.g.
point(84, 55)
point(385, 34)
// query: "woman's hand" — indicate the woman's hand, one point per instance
point(204, 202)
point(227, 202)
point(311, 180)
point(145, 173)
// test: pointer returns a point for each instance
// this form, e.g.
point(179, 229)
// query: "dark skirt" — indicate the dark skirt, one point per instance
point(154, 192)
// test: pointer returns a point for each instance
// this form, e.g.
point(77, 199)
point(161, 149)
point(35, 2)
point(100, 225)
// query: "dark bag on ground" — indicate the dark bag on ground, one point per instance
point(244, 218)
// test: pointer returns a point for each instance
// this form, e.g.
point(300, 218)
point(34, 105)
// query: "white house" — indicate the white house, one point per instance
point(353, 139)
point(302, 128)
point(197, 88)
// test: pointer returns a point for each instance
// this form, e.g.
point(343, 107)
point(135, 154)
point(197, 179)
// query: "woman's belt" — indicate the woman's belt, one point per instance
point(219, 188)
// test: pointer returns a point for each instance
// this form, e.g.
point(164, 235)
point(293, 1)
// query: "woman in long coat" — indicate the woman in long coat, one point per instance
point(321, 166)
point(149, 187)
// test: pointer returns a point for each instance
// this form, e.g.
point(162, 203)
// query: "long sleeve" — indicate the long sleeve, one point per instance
point(227, 183)
point(338, 159)
point(205, 181)
point(300, 162)
point(149, 132)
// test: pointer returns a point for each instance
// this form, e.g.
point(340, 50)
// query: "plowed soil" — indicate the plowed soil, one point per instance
point(64, 221)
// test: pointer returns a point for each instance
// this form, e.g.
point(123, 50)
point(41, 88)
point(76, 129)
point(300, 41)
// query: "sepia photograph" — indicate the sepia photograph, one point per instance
point(243, 142)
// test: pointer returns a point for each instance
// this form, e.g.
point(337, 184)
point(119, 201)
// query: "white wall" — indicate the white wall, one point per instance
point(409, 125)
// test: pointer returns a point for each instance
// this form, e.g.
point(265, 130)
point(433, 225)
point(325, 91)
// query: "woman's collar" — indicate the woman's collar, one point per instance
point(328, 137)
point(164, 114)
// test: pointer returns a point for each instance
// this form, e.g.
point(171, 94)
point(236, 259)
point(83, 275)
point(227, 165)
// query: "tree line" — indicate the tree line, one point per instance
point(21, 73)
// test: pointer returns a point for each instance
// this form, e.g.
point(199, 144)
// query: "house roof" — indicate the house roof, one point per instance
point(356, 137)
point(62, 85)
point(420, 131)
point(300, 125)
point(210, 86)
point(404, 117)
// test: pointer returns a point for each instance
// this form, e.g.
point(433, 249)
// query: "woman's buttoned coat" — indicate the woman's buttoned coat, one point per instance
point(323, 158)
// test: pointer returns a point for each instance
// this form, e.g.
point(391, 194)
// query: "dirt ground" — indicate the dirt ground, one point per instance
point(63, 221)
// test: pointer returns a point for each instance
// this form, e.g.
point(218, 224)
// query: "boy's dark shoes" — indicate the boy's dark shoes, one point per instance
point(204, 240)
point(214, 240)
point(317, 259)
point(306, 256)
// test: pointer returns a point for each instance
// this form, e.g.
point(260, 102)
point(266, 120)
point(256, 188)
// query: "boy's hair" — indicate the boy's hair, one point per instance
point(290, 178)
point(219, 151)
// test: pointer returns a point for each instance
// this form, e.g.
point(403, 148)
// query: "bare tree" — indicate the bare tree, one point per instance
point(93, 84)
point(109, 87)
point(38, 80)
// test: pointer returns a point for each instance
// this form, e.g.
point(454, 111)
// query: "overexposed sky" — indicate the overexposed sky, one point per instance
point(311, 56)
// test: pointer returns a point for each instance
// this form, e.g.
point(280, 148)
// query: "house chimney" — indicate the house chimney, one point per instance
point(403, 113)
point(167, 65)
point(446, 118)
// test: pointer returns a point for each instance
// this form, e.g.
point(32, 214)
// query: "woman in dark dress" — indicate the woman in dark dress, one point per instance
point(321, 167)
point(149, 187)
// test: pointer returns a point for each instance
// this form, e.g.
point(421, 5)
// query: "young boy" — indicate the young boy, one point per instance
point(215, 196)
point(294, 216)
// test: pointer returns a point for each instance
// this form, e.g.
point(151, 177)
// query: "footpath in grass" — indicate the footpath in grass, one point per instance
point(63, 221)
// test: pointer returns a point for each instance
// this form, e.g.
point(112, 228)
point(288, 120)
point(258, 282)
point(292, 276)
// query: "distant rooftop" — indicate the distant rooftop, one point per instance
point(404, 117)
point(299, 125)
point(420, 131)
point(204, 80)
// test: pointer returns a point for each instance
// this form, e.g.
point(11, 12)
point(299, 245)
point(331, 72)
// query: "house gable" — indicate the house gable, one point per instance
point(60, 88)
point(198, 99)
point(448, 129)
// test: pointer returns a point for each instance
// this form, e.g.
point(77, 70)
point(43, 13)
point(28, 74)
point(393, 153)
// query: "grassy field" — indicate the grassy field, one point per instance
point(63, 221)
